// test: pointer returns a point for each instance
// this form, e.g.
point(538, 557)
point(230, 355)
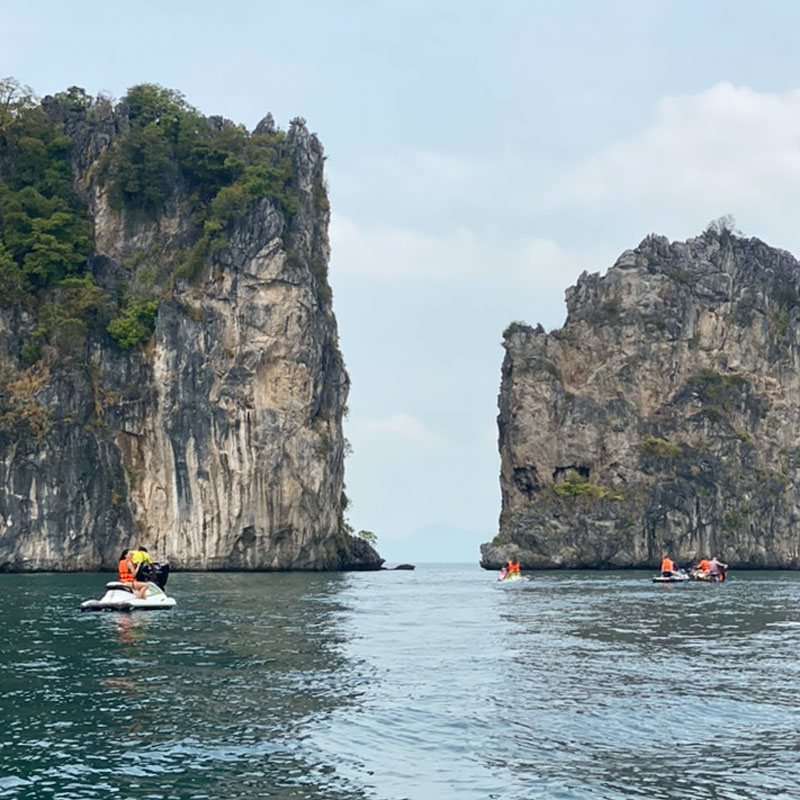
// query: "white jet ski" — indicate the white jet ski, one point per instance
point(672, 577)
point(121, 596)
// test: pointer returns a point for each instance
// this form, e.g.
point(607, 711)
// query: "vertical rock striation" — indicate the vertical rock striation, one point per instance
point(664, 417)
point(217, 442)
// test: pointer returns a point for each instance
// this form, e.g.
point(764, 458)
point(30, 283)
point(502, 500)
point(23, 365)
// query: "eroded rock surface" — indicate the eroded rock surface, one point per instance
point(218, 444)
point(664, 417)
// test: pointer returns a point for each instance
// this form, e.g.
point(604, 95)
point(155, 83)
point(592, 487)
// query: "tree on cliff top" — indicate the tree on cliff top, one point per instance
point(170, 141)
point(43, 226)
point(724, 225)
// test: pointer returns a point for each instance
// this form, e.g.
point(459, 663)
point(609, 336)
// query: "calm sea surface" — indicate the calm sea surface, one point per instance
point(437, 683)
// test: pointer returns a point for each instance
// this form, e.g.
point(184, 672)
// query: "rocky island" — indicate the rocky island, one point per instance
point(169, 365)
point(663, 417)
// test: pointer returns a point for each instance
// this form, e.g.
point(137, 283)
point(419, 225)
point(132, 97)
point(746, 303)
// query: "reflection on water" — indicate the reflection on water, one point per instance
point(211, 699)
point(652, 691)
point(438, 683)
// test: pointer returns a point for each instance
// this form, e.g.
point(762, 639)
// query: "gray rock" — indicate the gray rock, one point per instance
point(219, 445)
point(664, 417)
point(266, 126)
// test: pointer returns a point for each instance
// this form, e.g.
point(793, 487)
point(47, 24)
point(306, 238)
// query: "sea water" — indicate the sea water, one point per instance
point(436, 683)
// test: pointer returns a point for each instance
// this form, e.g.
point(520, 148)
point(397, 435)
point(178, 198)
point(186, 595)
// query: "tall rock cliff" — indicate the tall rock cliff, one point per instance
point(182, 388)
point(664, 417)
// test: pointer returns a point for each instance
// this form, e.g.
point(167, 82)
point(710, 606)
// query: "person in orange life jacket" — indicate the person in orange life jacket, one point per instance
point(127, 574)
point(513, 566)
point(667, 566)
point(704, 564)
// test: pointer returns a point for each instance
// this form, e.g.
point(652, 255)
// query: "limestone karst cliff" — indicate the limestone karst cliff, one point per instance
point(176, 382)
point(664, 417)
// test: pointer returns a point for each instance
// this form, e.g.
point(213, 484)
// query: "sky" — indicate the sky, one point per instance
point(480, 156)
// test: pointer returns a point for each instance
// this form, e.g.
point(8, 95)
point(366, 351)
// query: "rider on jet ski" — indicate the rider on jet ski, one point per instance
point(667, 567)
point(128, 572)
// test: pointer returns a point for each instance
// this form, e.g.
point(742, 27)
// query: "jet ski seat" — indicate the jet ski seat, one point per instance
point(125, 587)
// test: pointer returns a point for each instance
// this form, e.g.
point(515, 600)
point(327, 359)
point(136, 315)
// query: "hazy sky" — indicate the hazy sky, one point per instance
point(481, 155)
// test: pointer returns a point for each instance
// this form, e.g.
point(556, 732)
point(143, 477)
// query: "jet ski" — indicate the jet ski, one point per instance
point(121, 596)
point(672, 577)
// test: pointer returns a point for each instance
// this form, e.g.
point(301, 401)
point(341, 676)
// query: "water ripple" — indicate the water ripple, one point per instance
point(438, 683)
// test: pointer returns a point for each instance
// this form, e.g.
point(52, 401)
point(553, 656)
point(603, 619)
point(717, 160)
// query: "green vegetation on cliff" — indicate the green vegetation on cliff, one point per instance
point(576, 485)
point(44, 233)
point(222, 167)
point(45, 240)
point(165, 153)
point(135, 325)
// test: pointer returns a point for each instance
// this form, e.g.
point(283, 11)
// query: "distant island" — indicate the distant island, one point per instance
point(664, 417)
point(170, 373)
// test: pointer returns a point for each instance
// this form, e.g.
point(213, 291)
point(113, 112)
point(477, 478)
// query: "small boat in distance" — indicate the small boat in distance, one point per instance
point(510, 575)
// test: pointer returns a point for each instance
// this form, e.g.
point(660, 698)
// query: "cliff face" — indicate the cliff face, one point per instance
point(664, 417)
point(216, 441)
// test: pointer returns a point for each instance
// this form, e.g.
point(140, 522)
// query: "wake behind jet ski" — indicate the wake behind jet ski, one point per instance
point(125, 595)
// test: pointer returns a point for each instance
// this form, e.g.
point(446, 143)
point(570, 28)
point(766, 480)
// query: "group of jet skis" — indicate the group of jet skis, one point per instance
point(709, 570)
point(142, 581)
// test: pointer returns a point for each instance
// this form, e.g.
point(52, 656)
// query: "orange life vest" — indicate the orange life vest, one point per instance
point(125, 574)
point(704, 564)
point(514, 566)
point(667, 564)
